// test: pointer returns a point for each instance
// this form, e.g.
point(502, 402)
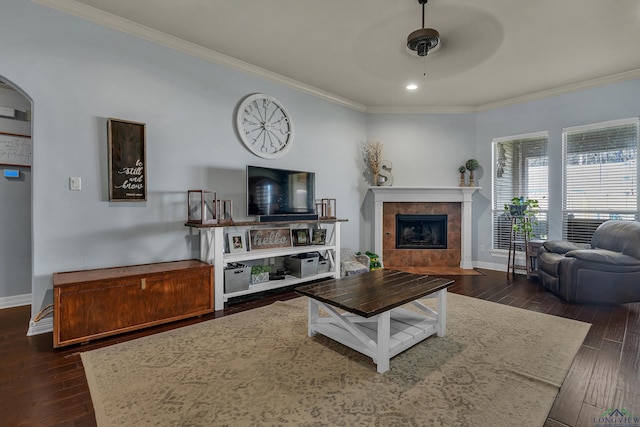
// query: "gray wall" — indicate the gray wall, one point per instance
point(78, 74)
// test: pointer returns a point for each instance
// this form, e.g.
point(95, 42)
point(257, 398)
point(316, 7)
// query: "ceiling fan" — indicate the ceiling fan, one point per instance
point(425, 39)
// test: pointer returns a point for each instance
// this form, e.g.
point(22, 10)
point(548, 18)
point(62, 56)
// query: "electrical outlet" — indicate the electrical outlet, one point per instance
point(482, 248)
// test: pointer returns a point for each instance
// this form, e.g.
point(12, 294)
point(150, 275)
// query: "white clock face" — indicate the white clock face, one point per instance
point(264, 126)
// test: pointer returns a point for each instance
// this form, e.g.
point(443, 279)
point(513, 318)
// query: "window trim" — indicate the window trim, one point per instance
point(586, 128)
point(494, 142)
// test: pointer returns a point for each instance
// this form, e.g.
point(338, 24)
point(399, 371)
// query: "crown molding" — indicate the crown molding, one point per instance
point(105, 19)
point(109, 20)
point(562, 90)
point(534, 96)
point(420, 110)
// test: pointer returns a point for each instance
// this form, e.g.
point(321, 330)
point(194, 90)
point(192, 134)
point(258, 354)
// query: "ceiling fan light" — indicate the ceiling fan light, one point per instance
point(423, 40)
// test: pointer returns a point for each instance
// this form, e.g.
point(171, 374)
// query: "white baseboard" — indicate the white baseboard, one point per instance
point(42, 327)
point(15, 301)
point(35, 328)
point(490, 266)
point(493, 266)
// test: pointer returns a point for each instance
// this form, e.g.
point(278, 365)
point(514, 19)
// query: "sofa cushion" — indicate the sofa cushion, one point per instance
point(618, 236)
point(603, 256)
point(562, 247)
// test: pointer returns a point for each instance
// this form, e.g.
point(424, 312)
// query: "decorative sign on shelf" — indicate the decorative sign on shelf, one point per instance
point(127, 161)
point(269, 238)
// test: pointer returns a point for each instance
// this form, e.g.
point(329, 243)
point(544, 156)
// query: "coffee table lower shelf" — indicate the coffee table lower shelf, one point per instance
point(383, 336)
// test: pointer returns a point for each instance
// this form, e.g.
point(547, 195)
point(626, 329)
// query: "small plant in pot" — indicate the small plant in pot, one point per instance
point(462, 169)
point(471, 165)
point(523, 208)
point(259, 274)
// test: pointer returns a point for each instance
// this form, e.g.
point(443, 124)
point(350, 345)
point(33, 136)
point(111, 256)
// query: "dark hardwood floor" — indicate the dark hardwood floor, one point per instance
point(40, 386)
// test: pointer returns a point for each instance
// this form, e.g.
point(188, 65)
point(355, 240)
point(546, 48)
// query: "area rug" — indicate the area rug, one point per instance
point(496, 366)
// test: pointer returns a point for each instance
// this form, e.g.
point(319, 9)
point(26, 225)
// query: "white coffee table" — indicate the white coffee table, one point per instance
point(364, 311)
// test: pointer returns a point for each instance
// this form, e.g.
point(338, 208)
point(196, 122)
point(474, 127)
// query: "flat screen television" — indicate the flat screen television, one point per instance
point(280, 194)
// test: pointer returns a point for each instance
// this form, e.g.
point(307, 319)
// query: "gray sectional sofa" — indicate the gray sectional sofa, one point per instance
point(607, 271)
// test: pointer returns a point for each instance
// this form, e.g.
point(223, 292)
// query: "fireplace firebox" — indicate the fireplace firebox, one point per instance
point(421, 231)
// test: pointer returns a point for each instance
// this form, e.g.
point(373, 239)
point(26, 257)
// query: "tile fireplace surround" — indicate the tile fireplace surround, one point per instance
point(456, 202)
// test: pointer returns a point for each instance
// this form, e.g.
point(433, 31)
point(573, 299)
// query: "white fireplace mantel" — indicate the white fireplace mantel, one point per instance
point(427, 194)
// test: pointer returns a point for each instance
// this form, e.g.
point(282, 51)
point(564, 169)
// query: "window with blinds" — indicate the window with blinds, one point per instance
point(520, 168)
point(600, 176)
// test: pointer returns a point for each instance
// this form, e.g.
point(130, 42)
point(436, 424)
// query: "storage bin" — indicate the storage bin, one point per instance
point(236, 278)
point(302, 266)
point(323, 266)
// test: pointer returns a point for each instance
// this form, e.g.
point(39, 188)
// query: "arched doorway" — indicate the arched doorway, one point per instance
point(16, 196)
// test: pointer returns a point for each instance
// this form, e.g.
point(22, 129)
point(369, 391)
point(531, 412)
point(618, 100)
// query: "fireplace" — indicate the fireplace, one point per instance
point(454, 202)
point(421, 231)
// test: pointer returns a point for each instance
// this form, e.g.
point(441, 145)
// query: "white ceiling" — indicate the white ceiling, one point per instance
point(494, 52)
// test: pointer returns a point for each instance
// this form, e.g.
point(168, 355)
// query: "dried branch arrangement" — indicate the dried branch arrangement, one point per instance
point(372, 152)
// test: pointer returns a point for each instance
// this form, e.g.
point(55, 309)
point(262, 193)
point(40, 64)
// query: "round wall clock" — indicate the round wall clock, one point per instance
point(264, 126)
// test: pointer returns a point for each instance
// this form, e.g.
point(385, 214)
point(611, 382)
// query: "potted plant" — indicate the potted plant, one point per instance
point(462, 169)
point(522, 208)
point(259, 274)
point(471, 165)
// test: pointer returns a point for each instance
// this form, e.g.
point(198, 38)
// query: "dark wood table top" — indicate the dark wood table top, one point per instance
point(374, 292)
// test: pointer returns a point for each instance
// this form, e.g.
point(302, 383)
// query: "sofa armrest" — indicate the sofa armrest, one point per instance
point(603, 256)
point(562, 247)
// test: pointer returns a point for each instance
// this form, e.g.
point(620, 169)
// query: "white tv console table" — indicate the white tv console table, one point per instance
point(212, 250)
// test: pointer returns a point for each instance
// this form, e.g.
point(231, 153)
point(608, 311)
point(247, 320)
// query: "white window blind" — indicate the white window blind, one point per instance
point(600, 176)
point(520, 168)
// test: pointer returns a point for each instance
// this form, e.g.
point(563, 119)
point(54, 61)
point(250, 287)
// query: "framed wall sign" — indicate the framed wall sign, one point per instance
point(268, 238)
point(15, 150)
point(127, 160)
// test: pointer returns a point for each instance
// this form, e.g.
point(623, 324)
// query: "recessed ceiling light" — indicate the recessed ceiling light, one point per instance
point(412, 86)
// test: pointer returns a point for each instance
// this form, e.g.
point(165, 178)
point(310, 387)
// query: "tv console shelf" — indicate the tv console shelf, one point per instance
point(212, 250)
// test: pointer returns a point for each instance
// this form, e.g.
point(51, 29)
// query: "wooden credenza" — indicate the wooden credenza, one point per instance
point(91, 304)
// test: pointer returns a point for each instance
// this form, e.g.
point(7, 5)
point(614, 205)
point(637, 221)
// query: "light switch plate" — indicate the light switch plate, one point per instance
point(75, 183)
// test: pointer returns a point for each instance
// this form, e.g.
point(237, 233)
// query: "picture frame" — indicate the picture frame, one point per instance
point(127, 160)
point(300, 237)
point(318, 236)
point(237, 243)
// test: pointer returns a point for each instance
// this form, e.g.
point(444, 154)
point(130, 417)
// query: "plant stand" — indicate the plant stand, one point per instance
point(512, 266)
point(532, 258)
